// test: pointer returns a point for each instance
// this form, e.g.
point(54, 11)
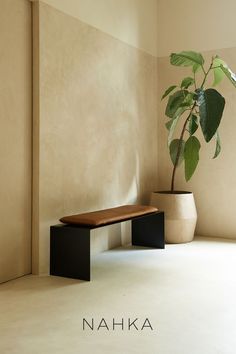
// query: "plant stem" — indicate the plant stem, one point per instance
point(194, 77)
point(184, 128)
point(179, 149)
point(206, 73)
point(203, 69)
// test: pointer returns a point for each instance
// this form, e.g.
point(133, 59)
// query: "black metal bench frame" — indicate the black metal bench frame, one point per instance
point(70, 244)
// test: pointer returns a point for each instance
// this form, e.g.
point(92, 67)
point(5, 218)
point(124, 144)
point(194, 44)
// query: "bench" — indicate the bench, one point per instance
point(70, 241)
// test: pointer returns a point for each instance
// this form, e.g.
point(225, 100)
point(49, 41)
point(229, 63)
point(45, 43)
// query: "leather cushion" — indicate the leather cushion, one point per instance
point(108, 216)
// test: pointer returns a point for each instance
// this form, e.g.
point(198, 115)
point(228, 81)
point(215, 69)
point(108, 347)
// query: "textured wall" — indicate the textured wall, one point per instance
point(98, 124)
point(132, 21)
point(213, 183)
point(15, 138)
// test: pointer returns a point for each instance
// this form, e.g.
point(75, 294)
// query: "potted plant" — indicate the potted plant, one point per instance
point(195, 109)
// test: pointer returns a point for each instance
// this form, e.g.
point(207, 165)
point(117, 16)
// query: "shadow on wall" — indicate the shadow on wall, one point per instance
point(98, 123)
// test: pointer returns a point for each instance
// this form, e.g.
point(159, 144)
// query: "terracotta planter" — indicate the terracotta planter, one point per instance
point(180, 214)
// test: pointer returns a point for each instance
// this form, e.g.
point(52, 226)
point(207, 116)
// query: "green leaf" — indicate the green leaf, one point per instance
point(196, 68)
point(210, 109)
point(169, 124)
point(174, 146)
point(174, 103)
point(191, 156)
point(218, 145)
point(218, 72)
point(188, 101)
point(186, 82)
point(230, 75)
point(192, 127)
point(200, 96)
point(189, 58)
point(172, 129)
point(171, 88)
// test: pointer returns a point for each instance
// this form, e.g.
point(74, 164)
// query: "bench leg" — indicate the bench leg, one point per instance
point(70, 252)
point(148, 230)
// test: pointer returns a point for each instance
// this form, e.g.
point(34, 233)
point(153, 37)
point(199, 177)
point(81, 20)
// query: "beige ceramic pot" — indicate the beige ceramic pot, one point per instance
point(180, 214)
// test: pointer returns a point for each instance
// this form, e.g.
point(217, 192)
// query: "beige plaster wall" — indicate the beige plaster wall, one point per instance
point(213, 183)
point(200, 25)
point(15, 138)
point(132, 21)
point(97, 125)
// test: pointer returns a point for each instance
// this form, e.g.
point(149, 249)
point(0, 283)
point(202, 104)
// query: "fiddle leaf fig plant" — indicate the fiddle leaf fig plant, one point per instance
point(196, 107)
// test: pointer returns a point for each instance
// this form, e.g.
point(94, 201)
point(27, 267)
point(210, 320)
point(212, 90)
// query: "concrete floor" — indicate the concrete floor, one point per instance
point(187, 292)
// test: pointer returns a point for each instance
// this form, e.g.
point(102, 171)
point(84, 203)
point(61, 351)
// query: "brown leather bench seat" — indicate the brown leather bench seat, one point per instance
point(70, 254)
point(108, 216)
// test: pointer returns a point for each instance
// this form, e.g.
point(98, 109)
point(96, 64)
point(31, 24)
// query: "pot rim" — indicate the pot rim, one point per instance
point(174, 192)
